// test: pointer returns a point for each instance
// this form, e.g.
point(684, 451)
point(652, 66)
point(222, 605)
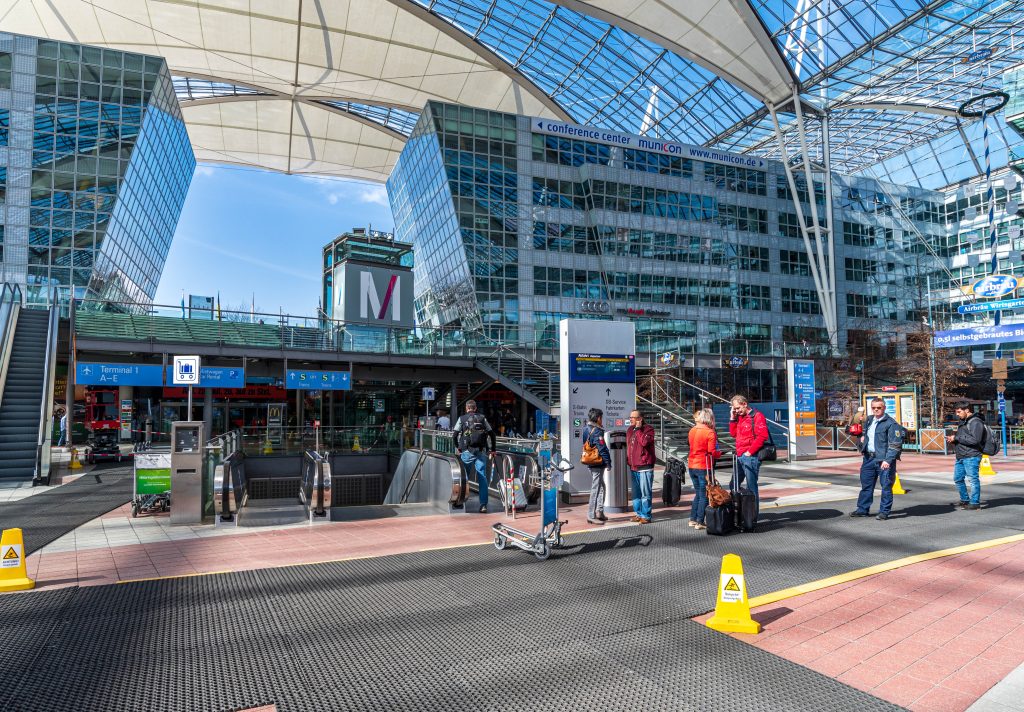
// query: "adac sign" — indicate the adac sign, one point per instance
point(373, 294)
point(995, 285)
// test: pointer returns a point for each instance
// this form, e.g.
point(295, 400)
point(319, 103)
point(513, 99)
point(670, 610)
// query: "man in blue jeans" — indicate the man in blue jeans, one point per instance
point(640, 458)
point(881, 445)
point(967, 444)
point(750, 428)
point(472, 435)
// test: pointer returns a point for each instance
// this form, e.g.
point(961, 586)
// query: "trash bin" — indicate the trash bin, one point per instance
point(616, 478)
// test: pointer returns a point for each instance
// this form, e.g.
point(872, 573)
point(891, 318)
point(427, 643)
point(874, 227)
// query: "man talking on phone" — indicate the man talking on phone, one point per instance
point(750, 428)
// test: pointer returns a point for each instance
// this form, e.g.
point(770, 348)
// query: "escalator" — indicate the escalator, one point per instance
point(28, 342)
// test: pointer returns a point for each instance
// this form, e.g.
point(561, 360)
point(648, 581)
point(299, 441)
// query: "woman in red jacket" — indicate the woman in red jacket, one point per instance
point(703, 452)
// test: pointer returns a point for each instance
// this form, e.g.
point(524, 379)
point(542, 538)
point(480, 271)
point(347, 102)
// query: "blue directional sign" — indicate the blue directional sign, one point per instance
point(990, 306)
point(118, 374)
point(318, 380)
point(216, 376)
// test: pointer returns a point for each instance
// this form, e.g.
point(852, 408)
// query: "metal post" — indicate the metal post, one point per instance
point(189, 416)
point(931, 353)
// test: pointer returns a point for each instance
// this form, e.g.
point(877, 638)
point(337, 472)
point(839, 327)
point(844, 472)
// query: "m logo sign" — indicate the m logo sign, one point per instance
point(381, 296)
point(370, 307)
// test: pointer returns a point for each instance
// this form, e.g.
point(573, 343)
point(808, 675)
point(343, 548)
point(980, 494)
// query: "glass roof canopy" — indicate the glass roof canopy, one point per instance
point(890, 73)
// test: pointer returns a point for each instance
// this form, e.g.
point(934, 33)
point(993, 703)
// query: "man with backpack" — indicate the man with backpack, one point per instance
point(881, 445)
point(472, 435)
point(971, 441)
point(750, 428)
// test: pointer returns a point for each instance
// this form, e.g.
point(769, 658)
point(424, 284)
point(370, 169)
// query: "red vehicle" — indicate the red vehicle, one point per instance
point(101, 410)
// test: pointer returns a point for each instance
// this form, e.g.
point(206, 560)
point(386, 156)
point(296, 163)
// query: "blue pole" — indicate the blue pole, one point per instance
point(1002, 416)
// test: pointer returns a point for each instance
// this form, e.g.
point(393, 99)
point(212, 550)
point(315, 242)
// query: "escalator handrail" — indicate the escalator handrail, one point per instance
point(42, 464)
point(10, 304)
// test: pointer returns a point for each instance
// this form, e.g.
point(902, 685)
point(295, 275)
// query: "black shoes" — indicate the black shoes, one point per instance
point(974, 506)
point(960, 505)
point(602, 517)
point(594, 521)
point(858, 513)
point(882, 516)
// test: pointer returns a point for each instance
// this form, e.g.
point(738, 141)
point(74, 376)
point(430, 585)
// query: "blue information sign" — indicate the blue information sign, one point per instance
point(118, 374)
point(318, 380)
point(602, 368)
point(216, 376)
point(979, 335)
point(803, 386)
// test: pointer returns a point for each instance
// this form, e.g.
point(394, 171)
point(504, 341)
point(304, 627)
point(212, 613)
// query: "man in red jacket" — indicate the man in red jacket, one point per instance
point(640, 458)
point(750, 428)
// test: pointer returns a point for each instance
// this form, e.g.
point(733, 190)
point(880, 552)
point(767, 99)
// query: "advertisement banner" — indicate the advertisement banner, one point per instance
point(152, 473)
point(979, 335)
point(377, 295)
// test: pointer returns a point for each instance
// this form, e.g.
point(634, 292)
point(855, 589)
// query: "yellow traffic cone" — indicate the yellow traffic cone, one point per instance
point(13, 575)
point(897, 488)
point(75, 464)
point(355, 444)
point(268, 449)
point(986, 467)
point(732, 611)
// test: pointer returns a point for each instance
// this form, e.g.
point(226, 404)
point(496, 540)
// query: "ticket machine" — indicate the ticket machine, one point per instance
point(187, 472)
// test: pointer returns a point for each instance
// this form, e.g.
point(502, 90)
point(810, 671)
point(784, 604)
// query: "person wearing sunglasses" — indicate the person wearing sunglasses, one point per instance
point(881, 445)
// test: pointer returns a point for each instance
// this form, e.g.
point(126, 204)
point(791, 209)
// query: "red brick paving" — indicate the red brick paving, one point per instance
point(932, 637)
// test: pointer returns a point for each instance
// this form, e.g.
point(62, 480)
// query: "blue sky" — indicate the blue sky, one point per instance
point(246, 231)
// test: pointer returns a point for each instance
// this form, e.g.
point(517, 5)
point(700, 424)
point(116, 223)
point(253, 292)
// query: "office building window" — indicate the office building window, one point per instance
point(800, 301)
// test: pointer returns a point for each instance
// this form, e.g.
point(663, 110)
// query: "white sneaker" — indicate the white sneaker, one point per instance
point(692, 523)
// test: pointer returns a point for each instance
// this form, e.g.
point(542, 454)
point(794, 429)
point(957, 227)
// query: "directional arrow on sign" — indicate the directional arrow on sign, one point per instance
point(608, 392)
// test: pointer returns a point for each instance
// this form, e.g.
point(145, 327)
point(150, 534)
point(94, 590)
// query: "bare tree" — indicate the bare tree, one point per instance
point(239, 312)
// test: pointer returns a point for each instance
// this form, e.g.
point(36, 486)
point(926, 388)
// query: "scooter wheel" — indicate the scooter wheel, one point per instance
point(499, 542)
point(544, 552)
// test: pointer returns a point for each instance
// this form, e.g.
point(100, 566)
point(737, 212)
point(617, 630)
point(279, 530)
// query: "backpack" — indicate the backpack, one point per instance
point(591, 457)
point(473, 434)
point(989, 442)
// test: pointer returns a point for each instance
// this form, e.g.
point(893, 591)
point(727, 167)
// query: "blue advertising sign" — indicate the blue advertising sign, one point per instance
point(118, 374)
point(979, 335)
point(318, 380)
point(803, 386)
point(990, 306)
point(217, 376)
point(995, 285)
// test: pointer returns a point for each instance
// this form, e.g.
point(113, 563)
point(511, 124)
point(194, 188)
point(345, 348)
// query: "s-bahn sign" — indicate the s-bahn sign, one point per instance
point(995, 285)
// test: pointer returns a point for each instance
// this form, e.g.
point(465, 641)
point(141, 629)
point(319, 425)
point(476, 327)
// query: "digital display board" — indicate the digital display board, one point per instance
point(602, 368)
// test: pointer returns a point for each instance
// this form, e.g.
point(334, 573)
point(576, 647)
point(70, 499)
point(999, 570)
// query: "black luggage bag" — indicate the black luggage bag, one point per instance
point(719, 520)
point(744, 501)
point(672, 482)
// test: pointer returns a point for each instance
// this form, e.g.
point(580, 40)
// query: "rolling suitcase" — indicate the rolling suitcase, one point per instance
point(719, 520)
point(672, 482)
point(744, 500)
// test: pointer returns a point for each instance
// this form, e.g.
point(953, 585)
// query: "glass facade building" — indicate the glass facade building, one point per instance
point(95, 163)
point(516, 227)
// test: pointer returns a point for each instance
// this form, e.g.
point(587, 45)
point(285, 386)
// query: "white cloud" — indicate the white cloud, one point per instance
point(376, 194)
point(339, 190)
point(204, 170)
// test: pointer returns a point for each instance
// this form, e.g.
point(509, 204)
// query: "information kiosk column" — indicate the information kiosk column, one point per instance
point(598, 370)
point(187, 472)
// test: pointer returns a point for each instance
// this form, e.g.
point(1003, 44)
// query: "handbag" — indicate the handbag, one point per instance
point(591, 457)
point(768, 451)
point(717, 495)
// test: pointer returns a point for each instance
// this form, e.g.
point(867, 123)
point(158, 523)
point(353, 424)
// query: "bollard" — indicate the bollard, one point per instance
point(732, 611)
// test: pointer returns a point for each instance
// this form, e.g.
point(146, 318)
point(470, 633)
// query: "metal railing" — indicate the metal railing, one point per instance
point(45, 432)
point(171, 324)
point(292, 440)
point(315, 492)
point(11, 300)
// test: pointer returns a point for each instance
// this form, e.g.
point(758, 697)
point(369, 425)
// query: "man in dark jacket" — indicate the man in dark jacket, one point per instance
point(472, 435)
point(881, 445)
point(640, 458)
point(970, 436)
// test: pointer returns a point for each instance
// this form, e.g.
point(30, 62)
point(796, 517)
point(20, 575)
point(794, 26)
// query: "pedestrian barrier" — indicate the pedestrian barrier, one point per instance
point(826, 437)
point(13, 574)
point(732, 609)
point(845, 441)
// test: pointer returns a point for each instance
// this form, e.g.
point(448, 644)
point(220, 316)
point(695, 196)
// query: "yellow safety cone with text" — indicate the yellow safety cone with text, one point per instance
point(897, 488)
point(13, 575)
point(268, 449)
point(75, 463)
point(732, 611)
point(986, 467)
point(355, 444)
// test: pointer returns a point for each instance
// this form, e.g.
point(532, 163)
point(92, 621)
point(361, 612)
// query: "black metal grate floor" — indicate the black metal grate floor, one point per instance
point(603, 625)
point(47, 516)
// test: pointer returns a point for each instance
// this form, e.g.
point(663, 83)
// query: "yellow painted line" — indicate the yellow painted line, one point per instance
point(809, 482)
point(878, 569)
